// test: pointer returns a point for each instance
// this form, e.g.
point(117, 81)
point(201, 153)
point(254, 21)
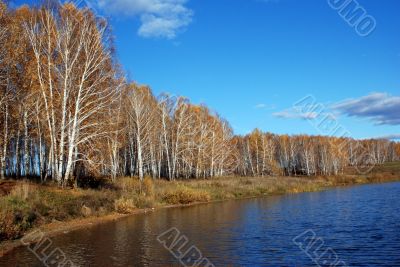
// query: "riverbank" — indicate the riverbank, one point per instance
point(27, 206)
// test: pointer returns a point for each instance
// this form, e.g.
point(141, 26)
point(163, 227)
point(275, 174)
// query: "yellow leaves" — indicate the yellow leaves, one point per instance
point(3, 8)
point(22, 13)
point(397, 149)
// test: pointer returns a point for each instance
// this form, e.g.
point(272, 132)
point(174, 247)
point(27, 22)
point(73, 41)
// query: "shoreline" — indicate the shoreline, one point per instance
point(64, 227)
point(79, 224)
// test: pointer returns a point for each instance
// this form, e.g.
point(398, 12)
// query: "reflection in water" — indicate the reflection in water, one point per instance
point(360, 223)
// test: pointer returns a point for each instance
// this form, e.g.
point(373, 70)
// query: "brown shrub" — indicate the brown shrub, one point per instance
point(143, 202)
point(15, 217)
point(22, 191)
point(86, 211)
point(124, 205)
point(129, 184)
point(148, 187)
point(185, 195)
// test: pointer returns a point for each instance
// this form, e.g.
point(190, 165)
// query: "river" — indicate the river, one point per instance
point(353, 226)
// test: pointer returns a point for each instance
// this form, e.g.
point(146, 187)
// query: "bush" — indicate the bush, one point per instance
point(58, 205)
point(148, 187)
point(124, 205)
point(96, 200)
point(93, 182)
point(22, 191)
point(129, 184)
point(245, 182)
point(15, 217)
point(143, 202)
point(86, 211)
point(185, 195)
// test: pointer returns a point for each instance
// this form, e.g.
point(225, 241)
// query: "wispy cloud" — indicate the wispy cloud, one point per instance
point(260, 106)
point(391, 137)
point(291, 114)
point(264, 106)
point(380, 108)
point(159, 18)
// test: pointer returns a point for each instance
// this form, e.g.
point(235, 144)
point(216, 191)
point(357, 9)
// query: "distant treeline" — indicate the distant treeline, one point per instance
point(67, 111)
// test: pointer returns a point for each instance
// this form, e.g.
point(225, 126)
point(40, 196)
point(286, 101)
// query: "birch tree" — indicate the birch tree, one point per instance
point(5, 92)
point(76, 85)
point(141, 112)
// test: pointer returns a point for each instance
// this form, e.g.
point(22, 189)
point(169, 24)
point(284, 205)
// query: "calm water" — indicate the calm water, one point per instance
point(360, 224)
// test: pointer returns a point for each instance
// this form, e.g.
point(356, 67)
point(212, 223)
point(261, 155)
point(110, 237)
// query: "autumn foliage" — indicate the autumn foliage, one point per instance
point(68, 113)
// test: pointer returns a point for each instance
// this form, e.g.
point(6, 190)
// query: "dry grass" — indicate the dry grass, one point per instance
point(29, 205)
point(129, 184)
point(124, 205)
point(148, 187)
point(22, 191)
point(185, 195)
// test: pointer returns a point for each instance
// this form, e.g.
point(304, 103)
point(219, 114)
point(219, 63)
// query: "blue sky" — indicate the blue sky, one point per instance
point(250, 60)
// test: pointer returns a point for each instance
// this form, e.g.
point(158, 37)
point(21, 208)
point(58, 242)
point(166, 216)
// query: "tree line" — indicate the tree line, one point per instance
point(68, 112)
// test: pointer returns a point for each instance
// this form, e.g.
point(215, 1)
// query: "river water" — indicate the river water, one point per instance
point(351, 226)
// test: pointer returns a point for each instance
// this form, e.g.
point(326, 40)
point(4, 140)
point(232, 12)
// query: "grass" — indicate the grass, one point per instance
point(28, 205)
point(185, 195)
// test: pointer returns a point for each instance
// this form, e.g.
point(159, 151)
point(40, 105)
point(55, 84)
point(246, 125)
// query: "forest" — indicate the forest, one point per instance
point(68, 112)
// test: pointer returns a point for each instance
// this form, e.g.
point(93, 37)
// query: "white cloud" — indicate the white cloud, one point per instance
point(159, 18)
point(391, 137)
point(260, 106)
point(264, 106)
point(380, 108)
point(290, 114)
